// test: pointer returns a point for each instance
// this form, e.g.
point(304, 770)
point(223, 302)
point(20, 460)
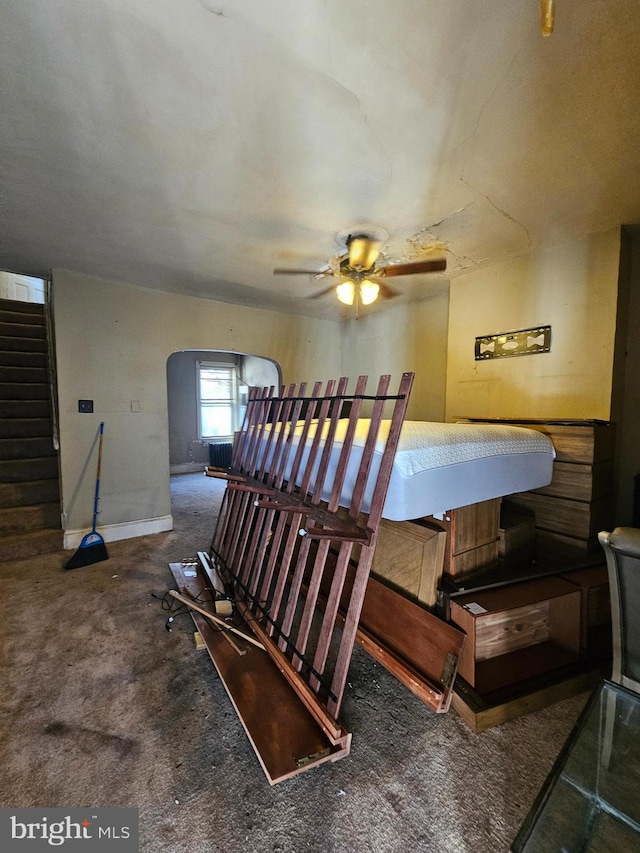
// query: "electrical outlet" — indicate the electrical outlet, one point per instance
point(135, 405)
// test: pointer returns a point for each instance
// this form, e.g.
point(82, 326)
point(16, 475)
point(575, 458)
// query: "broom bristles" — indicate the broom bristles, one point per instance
point(89, 552)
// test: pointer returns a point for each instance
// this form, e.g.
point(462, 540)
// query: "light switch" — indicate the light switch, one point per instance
point(135, 405)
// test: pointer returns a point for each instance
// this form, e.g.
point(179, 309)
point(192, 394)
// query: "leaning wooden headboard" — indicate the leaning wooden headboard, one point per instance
point(280, 547)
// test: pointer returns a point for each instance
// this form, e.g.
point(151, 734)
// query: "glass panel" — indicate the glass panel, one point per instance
point(590, 801)
point(216, 421)
point(216, 383)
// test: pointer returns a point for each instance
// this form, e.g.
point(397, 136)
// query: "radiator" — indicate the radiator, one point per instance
point(220, 454)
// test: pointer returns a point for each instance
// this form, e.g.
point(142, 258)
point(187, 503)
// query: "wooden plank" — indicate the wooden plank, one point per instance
point(425, 646)
point(512, 629)
point(520, 665)
point(472, 536)
point(584, 442)
point(579, 482)
point(417, 647)
point(410, 557)
point(220, 623)
point(510, 626)
point(516, 545)
point(287, 741)
point(593, 583)
point(480, 715)
point(516, 595)
point(556, 549)
point(560, 515)
point(484, 557)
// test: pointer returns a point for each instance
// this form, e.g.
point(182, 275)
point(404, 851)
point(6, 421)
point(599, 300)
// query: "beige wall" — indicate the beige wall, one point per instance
point(113, 342)
point(573, 288)
point(112, 346)
point(407, 337)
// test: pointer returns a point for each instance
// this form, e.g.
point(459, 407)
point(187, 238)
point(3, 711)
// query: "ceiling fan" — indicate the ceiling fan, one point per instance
point(360, 272)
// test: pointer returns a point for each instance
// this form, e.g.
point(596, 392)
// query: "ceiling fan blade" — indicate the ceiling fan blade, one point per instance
point(294, 271)
point(322, 292)
point(387, 292)
point(434, 265)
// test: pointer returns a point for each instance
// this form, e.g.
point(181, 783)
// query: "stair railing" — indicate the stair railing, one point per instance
point(51, 360)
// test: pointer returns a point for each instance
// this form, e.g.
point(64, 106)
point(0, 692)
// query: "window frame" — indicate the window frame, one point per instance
point(233, 402)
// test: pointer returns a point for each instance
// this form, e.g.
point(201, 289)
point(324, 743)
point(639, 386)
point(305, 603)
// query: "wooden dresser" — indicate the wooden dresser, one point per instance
point(579, 501)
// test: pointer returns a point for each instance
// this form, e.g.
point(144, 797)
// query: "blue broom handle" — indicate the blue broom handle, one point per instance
point(97, 497)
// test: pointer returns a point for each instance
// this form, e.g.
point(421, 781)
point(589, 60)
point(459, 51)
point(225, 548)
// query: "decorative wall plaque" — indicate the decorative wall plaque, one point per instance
point(522, 342)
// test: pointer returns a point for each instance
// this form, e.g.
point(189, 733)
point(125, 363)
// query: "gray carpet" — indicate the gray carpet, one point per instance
point(101, 706)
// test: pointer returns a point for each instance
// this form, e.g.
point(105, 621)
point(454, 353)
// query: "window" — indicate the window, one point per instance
point(217, 400)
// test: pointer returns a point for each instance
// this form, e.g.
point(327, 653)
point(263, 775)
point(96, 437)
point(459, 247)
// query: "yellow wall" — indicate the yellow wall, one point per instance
point(572, 288)
point(407, 337)
point(112, 346)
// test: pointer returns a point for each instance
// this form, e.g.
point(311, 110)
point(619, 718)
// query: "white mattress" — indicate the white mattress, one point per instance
point(440, 467)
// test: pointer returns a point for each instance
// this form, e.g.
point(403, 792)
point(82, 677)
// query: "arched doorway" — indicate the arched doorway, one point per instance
point(197, 420)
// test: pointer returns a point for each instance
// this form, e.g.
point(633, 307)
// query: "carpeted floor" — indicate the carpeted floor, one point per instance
point(101, 706)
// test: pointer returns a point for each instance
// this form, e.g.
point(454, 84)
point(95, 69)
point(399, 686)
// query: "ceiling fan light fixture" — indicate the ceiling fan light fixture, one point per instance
point(363, 253)
point(369, 291)
point(346, 292)
point(547, 16)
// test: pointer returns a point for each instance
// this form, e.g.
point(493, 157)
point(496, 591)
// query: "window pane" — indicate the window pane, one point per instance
point(216, 383)
point(216, 421)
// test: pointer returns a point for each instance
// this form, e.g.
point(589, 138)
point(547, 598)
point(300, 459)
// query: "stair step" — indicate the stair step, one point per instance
point(21, 330)
point(24, 409)
point(26, 448)
point(23, 344)
point(25, 428)
point(19, 307)
point(18, 391)
point(16, 358)
point(34, 544)
point(24, 519)
point(27, 494)
point(21, 317)
point(14, 373)
point(24, 470)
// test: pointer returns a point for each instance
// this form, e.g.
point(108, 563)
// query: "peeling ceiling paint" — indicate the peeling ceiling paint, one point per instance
point(193, 147)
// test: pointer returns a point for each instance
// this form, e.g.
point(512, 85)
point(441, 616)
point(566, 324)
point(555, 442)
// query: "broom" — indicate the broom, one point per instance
point(92, 548)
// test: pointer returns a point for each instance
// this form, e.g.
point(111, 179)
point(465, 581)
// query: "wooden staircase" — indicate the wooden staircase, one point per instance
point(29, 485)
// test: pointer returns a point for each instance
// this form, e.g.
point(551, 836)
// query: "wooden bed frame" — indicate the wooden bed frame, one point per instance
point(298, 569)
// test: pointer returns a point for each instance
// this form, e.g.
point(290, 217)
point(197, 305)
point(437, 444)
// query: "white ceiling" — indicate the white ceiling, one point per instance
point(193, 146)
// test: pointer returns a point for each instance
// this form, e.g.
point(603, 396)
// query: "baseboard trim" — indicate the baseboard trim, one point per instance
point(125, 530)
point(187, 467)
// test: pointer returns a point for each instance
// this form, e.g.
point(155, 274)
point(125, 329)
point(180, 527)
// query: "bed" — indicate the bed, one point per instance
point(296, 560)
point(437, 467)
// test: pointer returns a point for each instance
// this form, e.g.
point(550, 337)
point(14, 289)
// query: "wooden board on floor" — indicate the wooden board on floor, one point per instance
point(287, 740)
point(421, 650)
point(417, 647)
point(481, 713)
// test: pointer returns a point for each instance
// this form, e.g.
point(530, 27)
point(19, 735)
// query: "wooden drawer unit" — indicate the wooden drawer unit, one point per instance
point(578, 442)
point(579, 501)
point(581, 482)
point(580, 519)
point(517, 632)
point(516, 545)
point(472, 536)
point(595, 620)
point(410, 556)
